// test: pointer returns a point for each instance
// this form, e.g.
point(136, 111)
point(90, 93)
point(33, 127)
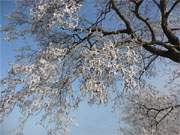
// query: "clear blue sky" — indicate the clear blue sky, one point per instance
point(92, 120)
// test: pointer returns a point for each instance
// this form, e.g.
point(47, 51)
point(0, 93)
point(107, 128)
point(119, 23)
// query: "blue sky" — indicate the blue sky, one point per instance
point(92, 120)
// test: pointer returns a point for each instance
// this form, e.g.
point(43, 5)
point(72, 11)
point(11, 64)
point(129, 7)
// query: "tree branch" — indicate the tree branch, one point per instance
point(127, 23)
point(136, 12)
point(173, 39)
point(173, 6)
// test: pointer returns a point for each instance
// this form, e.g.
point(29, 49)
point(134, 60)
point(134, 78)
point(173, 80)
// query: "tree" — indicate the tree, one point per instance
point(119, 42)
point(151, 113)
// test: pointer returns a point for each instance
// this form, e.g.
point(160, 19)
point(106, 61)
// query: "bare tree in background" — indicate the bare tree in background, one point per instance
point(119, 41)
